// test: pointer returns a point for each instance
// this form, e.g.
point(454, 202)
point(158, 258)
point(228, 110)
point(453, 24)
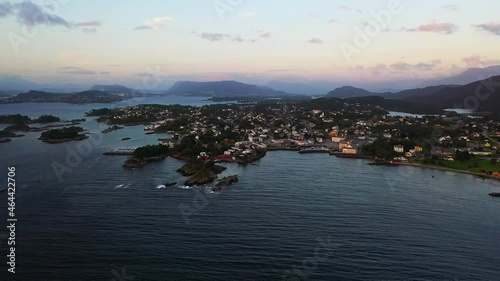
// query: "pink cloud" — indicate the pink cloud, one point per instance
point(421, 66)
point(476, 61)
point(472, 60)
point(442, 28)
point(400, 65)
point(490, 27)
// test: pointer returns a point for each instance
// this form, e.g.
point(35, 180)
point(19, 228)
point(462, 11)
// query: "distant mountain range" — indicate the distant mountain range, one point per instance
point(79, 97)
point(350, 92)
point(18, 84)
point(116, 89)
point(420, 92)
point(483, 95)
point(469, 76)
point(222, 89)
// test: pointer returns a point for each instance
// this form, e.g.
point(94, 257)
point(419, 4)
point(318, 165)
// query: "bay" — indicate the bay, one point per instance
point(369, 222)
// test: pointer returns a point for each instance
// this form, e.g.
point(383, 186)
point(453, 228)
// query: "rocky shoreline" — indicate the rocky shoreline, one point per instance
point(55, 141)
point(134, 163)
point(111, 129)
point(225, 182)
point(200, 173)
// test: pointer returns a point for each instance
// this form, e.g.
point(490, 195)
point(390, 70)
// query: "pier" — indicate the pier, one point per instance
point(121, 151)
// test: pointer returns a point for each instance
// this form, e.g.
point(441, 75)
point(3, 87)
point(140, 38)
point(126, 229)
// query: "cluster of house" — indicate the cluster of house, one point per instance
point(318, 127)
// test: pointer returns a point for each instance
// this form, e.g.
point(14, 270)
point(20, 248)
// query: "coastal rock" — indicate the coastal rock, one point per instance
point(201, 177)
point(111, 129)
point(17, 128)
point(191, 168)
point(227, 181)
point(133, 163)
point(188, 170)
point(170, 184)
point(5, 140)
point(224, 182)
point(201, 173)
point(55, 141)
point(124, 139)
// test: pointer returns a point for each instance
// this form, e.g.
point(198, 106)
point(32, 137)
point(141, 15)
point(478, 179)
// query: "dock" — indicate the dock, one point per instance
point(315, 150)
point(351, 156)
point(127, 151)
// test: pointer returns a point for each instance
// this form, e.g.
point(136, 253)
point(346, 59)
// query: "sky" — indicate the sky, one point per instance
point(257, 41)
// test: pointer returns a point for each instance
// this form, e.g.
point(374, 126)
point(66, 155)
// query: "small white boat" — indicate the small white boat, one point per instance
point(122, 186)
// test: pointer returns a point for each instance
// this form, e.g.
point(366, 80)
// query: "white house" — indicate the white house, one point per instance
point(399, 148)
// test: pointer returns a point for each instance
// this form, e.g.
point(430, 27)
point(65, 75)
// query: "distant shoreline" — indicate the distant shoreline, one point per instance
point(433, 167)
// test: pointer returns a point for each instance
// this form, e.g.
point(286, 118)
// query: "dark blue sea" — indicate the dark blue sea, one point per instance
point(291, 217)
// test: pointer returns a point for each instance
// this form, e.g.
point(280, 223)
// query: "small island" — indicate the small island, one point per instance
point(63, 135)
point(111, 129)
point(46, 119)
point(224, 182)
point(145, 155)
point(14, 119)
point(10, 132)
point(200, 173)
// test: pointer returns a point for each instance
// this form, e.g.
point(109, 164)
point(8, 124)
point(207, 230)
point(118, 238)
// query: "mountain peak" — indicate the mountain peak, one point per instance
point(229, 88)
point(348, 92)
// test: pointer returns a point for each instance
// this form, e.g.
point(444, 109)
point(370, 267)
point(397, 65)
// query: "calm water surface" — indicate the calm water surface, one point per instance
point(369, 223)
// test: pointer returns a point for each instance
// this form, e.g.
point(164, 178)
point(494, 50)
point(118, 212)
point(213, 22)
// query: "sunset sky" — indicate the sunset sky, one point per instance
point(123, 41)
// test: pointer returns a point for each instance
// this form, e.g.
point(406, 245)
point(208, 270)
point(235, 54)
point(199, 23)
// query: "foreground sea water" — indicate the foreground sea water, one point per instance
point(291, 217)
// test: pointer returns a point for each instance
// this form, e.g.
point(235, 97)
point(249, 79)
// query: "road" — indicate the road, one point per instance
point(485, 134)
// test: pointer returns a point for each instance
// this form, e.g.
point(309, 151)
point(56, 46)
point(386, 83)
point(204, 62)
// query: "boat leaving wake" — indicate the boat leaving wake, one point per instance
point(122, 186)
